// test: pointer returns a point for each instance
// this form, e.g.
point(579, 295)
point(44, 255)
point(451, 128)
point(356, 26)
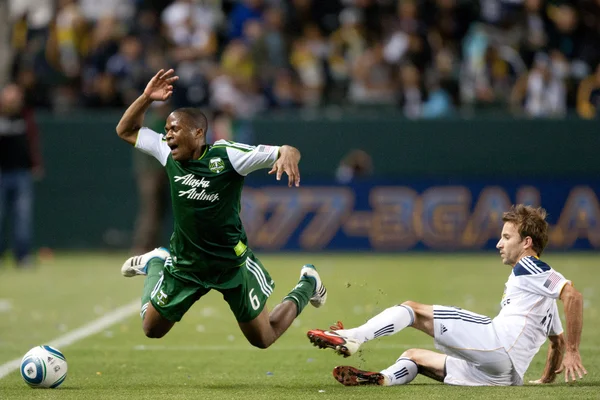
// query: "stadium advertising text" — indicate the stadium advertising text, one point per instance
point(393, 218)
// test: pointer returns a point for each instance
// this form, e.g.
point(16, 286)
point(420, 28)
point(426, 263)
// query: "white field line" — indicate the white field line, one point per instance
point(83, 332)
point(248, 347)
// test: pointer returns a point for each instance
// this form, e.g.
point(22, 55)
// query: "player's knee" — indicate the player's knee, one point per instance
point(415, 355)
point(411, 304)
point(261, 343)
point(411, 354)
point(153, 332)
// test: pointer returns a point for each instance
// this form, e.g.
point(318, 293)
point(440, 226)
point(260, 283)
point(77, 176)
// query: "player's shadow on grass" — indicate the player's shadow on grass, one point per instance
point(582, 383)
point(293, 386)
point(333, 385)
point(254, 386)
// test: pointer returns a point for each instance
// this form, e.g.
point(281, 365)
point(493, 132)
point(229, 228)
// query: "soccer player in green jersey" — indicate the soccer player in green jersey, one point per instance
point(208, 248)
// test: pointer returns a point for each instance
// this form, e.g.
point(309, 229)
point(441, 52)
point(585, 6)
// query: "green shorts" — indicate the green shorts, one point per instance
point(173, 295)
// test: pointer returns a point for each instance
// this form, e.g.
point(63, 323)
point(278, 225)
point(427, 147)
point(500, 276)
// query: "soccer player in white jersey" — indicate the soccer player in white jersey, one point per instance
point(477, 350)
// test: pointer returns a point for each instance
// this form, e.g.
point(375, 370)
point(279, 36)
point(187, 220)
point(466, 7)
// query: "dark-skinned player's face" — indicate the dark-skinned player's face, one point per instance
point(182, 136)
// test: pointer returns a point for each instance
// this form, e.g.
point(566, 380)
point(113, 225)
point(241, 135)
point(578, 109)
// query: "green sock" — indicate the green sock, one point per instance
point(302, 293)
point(155, 268)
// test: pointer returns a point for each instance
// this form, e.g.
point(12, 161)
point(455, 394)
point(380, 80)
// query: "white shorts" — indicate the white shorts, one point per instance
point(475, 355)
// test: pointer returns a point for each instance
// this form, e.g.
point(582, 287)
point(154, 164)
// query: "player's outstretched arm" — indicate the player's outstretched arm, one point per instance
point(573, 305)
point(556, 351)
point(160, 88)
point(287, 162)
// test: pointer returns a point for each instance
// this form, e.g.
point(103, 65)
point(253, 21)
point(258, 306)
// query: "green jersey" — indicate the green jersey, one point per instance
point(208, 236)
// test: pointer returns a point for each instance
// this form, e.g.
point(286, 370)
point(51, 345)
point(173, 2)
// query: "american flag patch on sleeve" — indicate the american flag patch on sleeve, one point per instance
point(264, 149)
point(552, 281)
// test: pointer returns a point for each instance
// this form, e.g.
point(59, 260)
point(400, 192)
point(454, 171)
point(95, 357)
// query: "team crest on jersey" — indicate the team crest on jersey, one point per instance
point(216, 165)
point(161, 298)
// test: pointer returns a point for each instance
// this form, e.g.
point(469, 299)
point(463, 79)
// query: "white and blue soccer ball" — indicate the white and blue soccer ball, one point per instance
point(44, 367)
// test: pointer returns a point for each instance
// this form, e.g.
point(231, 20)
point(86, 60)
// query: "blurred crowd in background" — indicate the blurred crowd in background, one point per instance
point(427, 58)
point(243, 58)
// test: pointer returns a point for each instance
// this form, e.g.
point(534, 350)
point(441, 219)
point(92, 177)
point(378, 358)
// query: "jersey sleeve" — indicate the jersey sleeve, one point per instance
point(152, 143)
point(556, 325)
point(548, 284)
point(246, 159)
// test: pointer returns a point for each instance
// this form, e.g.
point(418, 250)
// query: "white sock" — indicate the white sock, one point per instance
point(390, 321)
point(401, 373)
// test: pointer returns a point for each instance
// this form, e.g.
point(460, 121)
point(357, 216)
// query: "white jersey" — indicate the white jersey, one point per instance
point(529, 312)
point(243, 158)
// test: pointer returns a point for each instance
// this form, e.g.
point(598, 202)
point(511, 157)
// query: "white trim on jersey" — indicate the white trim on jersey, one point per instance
point(245, 158)
point(152, 143)
point(530, 266)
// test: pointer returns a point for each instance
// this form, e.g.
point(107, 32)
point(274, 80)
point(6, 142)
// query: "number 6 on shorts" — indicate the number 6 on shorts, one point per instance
point(254, 300)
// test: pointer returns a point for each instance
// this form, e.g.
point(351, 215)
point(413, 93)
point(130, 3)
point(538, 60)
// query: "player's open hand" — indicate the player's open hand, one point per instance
point(160, 87)
point(572, 365)
point(288, 160)
point(543, 380)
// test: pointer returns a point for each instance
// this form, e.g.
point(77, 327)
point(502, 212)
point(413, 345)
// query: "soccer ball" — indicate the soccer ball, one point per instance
point(44, 366)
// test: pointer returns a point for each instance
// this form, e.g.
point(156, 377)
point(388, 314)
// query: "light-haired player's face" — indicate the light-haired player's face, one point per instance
point(510, 244)
point(180, 137)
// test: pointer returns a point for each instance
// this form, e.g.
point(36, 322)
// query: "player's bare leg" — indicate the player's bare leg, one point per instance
point(431, 364)
point(423, 316)
point(406, 368)
point(265, 329)
point(390, 321)
point(155, 325)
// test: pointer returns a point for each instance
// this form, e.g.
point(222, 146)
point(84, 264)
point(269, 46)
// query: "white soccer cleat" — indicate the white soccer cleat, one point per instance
point(138, 265)
point(320, 295)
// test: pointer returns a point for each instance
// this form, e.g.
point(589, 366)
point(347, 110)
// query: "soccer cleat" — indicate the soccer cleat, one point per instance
point(138, 265)
point(320, 295)
point(332, 340)
point(350, 376)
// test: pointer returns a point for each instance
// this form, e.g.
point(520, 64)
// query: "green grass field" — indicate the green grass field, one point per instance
point(206, 357)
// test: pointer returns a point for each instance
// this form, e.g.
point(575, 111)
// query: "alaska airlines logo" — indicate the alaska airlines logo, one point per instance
point(193, 193)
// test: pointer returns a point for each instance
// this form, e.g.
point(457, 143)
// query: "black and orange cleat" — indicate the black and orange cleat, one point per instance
point(350, 376)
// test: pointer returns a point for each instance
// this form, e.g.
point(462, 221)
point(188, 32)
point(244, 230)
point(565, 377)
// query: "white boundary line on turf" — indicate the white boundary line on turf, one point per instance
point(248, 347)
point(83, 332)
